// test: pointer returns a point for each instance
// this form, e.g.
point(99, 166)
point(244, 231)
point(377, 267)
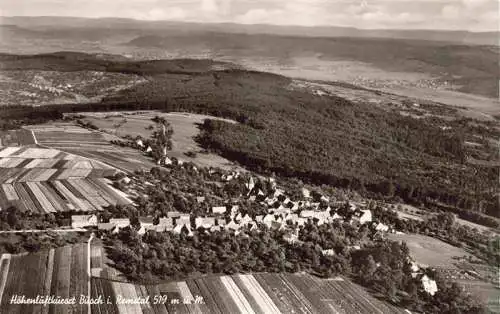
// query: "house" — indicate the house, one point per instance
point(362, 216)
point(149, 149)
point(336, 216)
point(120, 222)
point(139, 143)
point(381, 227)
point(306, 193)
point(220, 221)
point(414, 267)
point(235, 209)
point(106, 227)
point(278, 192)
point(215, 228)
point(282, 211)
point(429, 285)
point(252, 226)
point(268, 220)
point(219, 210)
point(146, 224)
point(246, 219)
point(291, 217)
point(328, 252)
point(307, 214)
point(259, 218)
point(157, 228)
point(324, 199)
point(173, 214)
point(233, 226)
point(365, 217)
point(184, 219)
point(301, 221)
point(82, 221)
point(204, 222)
point(146, 221)
point(166, 223)
point(200, 199)
point(168, 161)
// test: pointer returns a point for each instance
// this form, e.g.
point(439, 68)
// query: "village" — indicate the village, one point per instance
point(283, 214)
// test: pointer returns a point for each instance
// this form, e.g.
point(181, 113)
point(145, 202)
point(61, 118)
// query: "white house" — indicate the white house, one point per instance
point(381, 227)
point(328, 252)
point(336, 216)
point(200, 199)
point(429, 285)
point(246, 219)
point(139, 143)
point(306, 193)
point(168, 161)
point(206, 222)
point(120, 222)
point(219, 210)
point(233, 226)
point(366, 216)
point(146, 224)
point(82, 221)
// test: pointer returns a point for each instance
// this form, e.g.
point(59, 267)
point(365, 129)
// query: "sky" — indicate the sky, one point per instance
point(474, 15)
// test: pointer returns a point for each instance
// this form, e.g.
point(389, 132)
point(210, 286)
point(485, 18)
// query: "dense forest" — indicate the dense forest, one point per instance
point(293, 133)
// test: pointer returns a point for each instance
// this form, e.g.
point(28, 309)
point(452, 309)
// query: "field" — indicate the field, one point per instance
point(253, 293)
point(185, 126)
point(430, 251)
point(16, 138)
point(94, 145)
point(48, 180)
point(62, 272)
point(58, 272)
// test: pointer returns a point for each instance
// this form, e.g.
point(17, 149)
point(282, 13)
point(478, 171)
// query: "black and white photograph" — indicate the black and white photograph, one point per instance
point(249, 156)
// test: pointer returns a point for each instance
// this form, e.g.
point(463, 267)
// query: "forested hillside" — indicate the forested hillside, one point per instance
point(321, 139)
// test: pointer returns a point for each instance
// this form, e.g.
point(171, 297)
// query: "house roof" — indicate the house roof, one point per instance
point(106, 226)
point(81, 217)
point(146, 220)
point(119, 220)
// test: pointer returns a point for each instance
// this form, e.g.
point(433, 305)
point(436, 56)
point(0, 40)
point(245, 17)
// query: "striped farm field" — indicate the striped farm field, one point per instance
point(63, 272)
point(59, 272)
point(94, 145)
point(78, 194)
point(47, 180)
point(261, 293)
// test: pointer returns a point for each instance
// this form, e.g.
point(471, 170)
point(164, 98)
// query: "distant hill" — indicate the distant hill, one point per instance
point(461, 37)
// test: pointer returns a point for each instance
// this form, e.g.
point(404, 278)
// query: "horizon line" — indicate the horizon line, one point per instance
point(249, 24)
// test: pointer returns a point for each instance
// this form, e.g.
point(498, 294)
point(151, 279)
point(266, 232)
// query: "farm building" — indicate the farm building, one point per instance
point(82, 221)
